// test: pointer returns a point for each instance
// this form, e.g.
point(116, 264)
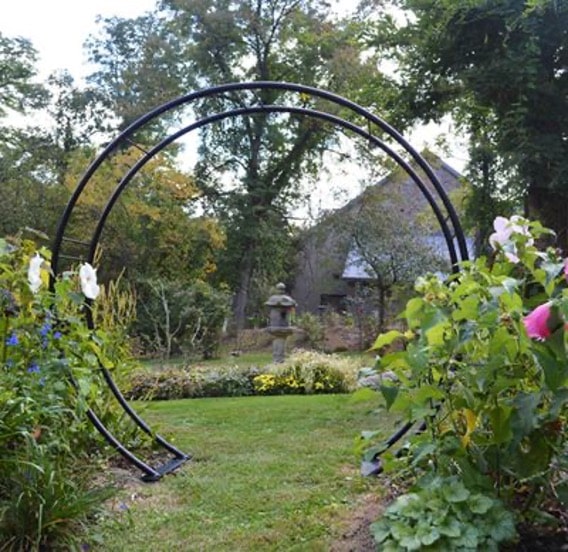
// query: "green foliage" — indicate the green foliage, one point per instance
point(303, 372)
point(49, 366)
point(442, 514)
point(491, 380)
point(193, 382)
point(312, 328)
point(498, 67)
point(308, 372)
point(17, 60)
point(45, 503)
point(176, 317)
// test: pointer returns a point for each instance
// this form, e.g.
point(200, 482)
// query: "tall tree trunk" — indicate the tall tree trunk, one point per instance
point(550, 207)
point(241, 297)
point(382, 307)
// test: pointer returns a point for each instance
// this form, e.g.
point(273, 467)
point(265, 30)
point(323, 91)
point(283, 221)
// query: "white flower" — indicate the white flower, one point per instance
point(34, 272)
point(88, 277)
point(504, 229)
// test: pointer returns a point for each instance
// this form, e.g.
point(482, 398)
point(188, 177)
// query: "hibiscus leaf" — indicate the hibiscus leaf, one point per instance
point(386, 339)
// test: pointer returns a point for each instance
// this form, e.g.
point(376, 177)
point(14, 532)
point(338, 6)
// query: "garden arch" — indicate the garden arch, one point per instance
point(324, 106)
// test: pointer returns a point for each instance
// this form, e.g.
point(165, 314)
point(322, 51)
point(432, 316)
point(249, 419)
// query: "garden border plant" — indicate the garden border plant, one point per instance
point(48, 375)
point(485, 363)
point(303, 372)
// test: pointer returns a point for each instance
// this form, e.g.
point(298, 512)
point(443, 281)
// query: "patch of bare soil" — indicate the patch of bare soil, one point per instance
point(356, 536)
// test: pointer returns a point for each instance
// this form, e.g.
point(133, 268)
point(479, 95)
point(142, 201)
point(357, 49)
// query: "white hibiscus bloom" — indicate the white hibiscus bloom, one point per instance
point(88, 278)
point(34, 272)
point(504, 230)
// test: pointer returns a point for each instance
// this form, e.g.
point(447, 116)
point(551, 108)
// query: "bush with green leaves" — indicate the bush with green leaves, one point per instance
point(312, 328)
point(485, 363)
point(308, 372)
point(191, 383)
point(49, 366)
point(304, 372)
point(442, 514)
point(180, 318)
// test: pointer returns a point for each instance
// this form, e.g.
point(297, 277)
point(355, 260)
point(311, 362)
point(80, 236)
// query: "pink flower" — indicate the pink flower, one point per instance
point(566, 268)
point(536, 322)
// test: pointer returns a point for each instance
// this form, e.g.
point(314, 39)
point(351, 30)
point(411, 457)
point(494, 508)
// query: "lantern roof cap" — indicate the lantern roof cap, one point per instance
point(280, 298)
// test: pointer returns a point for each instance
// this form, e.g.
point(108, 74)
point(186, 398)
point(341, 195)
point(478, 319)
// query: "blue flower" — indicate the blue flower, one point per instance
point(45, 329)
point(12, 340)
point(34, 369)
point(57, 335)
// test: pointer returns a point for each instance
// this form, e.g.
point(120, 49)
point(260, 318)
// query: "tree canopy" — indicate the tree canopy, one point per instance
point(250, 168)
point(17, 69)
point(500, 68)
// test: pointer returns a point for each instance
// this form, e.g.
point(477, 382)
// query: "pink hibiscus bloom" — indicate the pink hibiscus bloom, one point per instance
point(536, 322)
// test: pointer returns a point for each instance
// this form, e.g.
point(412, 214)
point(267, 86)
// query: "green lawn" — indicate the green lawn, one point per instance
point(268, 473)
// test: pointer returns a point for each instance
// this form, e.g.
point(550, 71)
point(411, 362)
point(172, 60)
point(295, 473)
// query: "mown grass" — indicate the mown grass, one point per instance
point(268, 473)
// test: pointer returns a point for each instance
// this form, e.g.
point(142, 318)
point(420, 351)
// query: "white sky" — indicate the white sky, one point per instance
point(58, 28)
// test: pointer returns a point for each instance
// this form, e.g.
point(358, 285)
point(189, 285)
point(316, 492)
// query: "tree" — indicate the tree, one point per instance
point(77, 116)
point(30, 195)
point(17, 69)
point(250, 168)
point(153, 230)
point(35, 160)
point(507, 59)
point(391, 245)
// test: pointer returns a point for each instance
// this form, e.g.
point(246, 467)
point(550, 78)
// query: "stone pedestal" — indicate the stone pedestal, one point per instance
point(279, 343)
point(281, 306)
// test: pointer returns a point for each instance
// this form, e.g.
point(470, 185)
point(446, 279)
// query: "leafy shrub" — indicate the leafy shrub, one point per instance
point(191, 383)
point(485, 363)
point(443, 515)
point(49, 365)
point(308, 372)
point(302, 373)
point(177, 318)
point(313, 330)
point(46, 503)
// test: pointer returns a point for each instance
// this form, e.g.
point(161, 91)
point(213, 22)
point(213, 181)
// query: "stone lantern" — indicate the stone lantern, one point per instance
point(280, 310)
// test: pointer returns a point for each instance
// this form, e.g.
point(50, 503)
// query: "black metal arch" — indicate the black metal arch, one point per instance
point(438, 200)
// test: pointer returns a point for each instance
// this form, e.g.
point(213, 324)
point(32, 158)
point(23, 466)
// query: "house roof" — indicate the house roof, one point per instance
point(356, 267)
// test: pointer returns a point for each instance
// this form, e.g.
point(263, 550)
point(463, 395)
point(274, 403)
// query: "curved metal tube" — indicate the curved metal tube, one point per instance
point(457, 234)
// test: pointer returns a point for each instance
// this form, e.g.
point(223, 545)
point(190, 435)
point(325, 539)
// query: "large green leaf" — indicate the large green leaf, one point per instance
point(386, 339)
point(436, 335)
point(555, 371)
point(500, 417)
point(390, 394)
point(413, 310)
point(525, 415)
point(455, 492)
point(467, 309)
